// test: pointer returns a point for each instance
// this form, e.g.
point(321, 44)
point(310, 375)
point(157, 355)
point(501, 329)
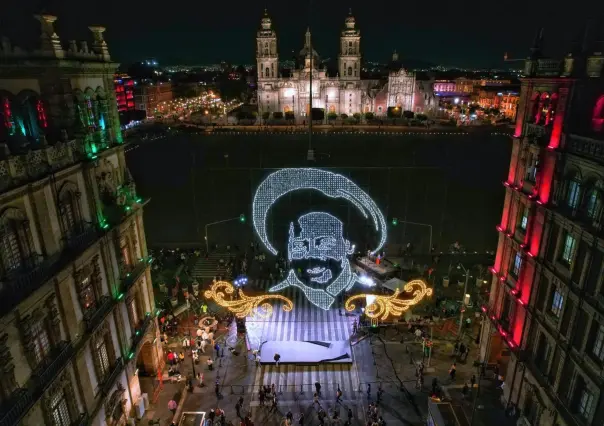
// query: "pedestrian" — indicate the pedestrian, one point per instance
point(273, 389)
point(465, 390)
point(277, 357)
point(473, 381)
point(318, 388)
point(456, 348)
point(238, 409)
point(462, 351)
point(354, 327)
point(350, 415)
point(274, 406)
point(200, 379)
point(368, 390)
point(181, 357)
point(172, 405)
point(217, 388)
point(339, 395)
point(452, 371)
point(380, 392)
point(289, 416)
point(301, 419)
point(261, 397)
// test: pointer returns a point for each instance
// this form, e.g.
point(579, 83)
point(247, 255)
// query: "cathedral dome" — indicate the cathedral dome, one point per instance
point(266, 21)
point(350, 21)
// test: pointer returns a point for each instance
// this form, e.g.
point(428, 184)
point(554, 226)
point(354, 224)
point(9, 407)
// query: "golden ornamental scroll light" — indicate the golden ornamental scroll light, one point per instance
point(255, 306)
point(384, 306)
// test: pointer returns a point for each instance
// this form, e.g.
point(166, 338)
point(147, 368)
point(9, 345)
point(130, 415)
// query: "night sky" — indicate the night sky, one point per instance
point(449, 32)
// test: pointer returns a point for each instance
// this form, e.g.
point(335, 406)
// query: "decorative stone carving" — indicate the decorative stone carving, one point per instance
point(8, 384)
point(114, 407)
point(25, 325)
point(54, 317)
point(95, 274)
point(133, 239)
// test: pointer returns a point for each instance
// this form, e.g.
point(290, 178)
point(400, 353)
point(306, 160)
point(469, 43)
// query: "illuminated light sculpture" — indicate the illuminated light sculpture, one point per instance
point(321, 234)
point(254, 306)
point(381, 307)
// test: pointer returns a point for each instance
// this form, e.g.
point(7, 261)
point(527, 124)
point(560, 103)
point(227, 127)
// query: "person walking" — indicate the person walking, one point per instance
point(452, 372)
point(339, 395)
point(318, 388)
point(350, 415)
point(301, 419)
point(274, 405)
point(277, 357)
point(172, 405)
point(261, 397)
point(217, 389)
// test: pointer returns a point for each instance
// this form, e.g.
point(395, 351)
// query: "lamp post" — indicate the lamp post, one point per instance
point(240, 218)
point(463, 302)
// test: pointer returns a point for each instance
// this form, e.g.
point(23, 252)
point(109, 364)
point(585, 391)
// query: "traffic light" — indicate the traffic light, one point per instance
point(242, 218)
point(394, 221)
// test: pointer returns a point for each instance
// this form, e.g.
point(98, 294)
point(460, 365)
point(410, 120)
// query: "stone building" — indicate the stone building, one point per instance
point(77, 315)
point(346, 93)
point(544, 322)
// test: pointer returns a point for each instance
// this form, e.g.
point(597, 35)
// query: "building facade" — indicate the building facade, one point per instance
point(149, 96)
point(77, 314)
point(346, 93)
point(544, 320)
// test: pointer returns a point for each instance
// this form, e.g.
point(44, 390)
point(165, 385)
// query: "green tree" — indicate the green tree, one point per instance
point(394, 112)
point(408, 115)
point(266, 115)
point(318, 114)
point(289, 115)
point(422, 117)
point(332, 116)
point(343, 116)
point(369, 116)
point(357, 116)
point(278, 115)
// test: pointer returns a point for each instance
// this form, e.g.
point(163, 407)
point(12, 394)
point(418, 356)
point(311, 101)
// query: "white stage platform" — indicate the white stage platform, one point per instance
point(306, 352)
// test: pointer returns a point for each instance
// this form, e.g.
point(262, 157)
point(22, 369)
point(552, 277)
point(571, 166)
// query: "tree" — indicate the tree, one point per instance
point(343, 116)
point(422, 117)
point(394, 112)
point(277, 115)
point(241, 115)
point(357, 116)
point(318, 114)
point(332, 116)
point(289, 115)
point(266, 115)
point(369, 116)
point(408, 115)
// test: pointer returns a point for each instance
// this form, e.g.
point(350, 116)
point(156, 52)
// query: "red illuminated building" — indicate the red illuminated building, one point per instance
point(124, 92)
point(544, 320)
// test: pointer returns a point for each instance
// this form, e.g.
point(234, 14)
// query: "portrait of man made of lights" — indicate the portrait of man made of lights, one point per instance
point(320, 238)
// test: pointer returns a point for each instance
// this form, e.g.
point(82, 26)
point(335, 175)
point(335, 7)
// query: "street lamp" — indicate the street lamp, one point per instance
point(464, 302)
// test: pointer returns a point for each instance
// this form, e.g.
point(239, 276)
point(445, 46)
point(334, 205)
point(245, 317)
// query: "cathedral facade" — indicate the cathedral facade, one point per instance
point(346, 93)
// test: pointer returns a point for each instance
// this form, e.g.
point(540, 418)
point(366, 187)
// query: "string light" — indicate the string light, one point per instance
point(256, 306)
point(381, 307)
point(332, 185)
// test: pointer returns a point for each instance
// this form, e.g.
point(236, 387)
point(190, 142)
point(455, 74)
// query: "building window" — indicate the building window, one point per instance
point(133, 311)
point(574, 189)
point(349, 70)
point(524, 218)
point(87, 296)
point(40, 340)
point(59, 410)
point(594, 204)
point(598, 347)
point(568, 250)
point(15, 242)
point(517, 264)
point(586, 401)
point(69, 209)
point(102, 355)
point(557, 302)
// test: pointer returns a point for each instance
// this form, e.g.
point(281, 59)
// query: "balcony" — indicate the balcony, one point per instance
point(37, 271)
point(135, 273)
point(19, 169)
point(110, 381)
point(139, 334)
point(24, 398)
point(586, 147)
point(96, 317)
point(538, 134)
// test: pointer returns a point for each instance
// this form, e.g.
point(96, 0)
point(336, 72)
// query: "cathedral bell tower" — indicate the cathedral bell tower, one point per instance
point(267, 59)
point(349, 60)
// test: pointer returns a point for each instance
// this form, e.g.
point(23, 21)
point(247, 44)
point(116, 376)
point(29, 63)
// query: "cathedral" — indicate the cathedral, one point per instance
point(346, 93)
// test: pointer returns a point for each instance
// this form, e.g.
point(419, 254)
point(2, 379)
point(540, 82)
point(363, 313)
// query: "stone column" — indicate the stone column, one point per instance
point(99, 45)
point(25, 324)
point(54, 318)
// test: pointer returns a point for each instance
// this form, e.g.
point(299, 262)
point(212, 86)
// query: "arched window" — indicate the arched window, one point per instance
point(593, 201)
point(267, 72)
point(7, 122)
point(69, 210)
point(534, 107)
point(597, 120)
point(266, 48)
point(15, 242)
point(573, 192)
point(349, 70)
